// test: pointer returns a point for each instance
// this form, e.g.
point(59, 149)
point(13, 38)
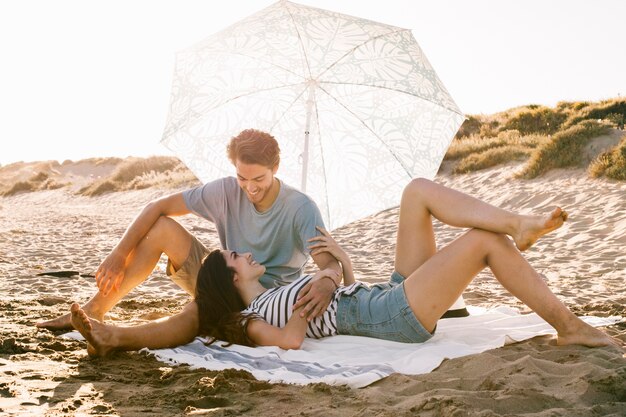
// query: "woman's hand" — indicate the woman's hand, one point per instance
point(110, 274)
point(326, 243)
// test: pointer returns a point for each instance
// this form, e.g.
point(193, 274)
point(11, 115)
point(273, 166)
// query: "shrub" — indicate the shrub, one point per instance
point(461, 148)
point(490, 129)
point(40, 177)
point(490, 158)
point(605, 110)
point(140, 173)
point(565, 148)
point(475, 144)
point(611, 164)
point(616, 119)
point(37, 182)
point(98, 188)
point(136, 167)
point(536, 119)
point(471, 126)
point(20, 186)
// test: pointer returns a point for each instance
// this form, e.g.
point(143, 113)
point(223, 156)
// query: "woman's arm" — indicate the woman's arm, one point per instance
point(289, 337)
point(326, 243)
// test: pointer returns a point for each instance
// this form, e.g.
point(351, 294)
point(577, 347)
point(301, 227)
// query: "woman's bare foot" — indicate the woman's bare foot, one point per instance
point(99, 336)
point(589, 336)
point(533, 227)
point(64, 322)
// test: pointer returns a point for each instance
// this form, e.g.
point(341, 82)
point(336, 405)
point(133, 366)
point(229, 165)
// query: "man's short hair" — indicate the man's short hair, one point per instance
point(254, 146)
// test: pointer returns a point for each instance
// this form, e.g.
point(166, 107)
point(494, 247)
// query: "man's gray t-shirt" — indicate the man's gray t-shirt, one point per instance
point(277, 238)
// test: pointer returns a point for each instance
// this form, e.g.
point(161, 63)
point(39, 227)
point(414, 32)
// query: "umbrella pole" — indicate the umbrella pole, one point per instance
point(305, 154)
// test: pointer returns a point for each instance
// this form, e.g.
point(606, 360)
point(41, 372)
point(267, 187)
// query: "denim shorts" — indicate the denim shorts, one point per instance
point(380, 311)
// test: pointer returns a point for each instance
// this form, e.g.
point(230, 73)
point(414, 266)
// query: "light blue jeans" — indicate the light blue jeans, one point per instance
point(381, 311)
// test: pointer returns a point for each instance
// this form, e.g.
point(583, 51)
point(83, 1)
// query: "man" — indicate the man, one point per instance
point(254, 212)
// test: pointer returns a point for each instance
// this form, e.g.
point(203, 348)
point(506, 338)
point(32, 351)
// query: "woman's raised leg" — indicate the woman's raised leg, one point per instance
point(434, 286)
point(422, 199)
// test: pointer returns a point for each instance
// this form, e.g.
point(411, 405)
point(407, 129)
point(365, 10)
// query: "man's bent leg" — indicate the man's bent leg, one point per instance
point(166, 236)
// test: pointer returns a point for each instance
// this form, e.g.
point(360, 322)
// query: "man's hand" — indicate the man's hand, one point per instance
point(316, 295)
point(110, 274)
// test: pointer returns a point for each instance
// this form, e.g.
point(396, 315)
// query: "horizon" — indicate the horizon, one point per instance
point(96, 86)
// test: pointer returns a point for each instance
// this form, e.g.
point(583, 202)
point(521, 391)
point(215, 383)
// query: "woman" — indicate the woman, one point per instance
point(424, 284)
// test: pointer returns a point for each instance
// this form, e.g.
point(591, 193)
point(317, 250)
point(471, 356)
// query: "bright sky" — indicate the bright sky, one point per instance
point(82, 78)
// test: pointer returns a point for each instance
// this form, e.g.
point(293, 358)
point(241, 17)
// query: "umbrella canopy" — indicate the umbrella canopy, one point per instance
point(355, 105)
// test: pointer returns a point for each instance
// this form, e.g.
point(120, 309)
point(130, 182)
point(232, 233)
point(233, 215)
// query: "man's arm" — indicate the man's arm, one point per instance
point(110, 274)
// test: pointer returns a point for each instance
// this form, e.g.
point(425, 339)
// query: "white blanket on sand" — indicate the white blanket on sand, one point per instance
point(360, 361)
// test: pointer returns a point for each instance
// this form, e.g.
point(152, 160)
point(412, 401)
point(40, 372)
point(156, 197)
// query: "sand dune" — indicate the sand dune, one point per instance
point(584, 263)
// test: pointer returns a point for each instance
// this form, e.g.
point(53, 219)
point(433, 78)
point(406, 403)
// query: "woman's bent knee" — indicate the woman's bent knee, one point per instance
point(416, 188)
point(484, 240)
point(418, 185)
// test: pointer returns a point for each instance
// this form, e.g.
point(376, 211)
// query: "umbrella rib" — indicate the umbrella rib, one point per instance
point(319, 134)
point(357, 47)
point(397, 91)
point(408, 172)
point(254, 92)
point(266, 62)
point(375, 86)
point(287, 109)
point(306, 58)
point(235, 98)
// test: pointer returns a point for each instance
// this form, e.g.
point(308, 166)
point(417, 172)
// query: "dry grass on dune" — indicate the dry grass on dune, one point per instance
point(547, 137)
point(140, 173)
point(611, 164)
point(42, 179)
point(565, 149)
point(536, 119)
point(474, 153)
point(491, 157)
point(95, 176)
point(110, 160)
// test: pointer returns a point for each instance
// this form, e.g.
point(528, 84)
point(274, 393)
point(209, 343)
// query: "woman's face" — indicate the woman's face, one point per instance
point(244, 265)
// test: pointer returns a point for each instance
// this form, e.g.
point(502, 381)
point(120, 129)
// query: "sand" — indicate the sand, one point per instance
point(42, 374)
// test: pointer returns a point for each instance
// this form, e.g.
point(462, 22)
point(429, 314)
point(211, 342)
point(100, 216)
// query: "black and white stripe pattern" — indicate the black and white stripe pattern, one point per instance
point(275, 307)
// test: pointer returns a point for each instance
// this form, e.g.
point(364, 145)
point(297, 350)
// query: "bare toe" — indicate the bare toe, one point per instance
point(96, 333)
point(533, 227)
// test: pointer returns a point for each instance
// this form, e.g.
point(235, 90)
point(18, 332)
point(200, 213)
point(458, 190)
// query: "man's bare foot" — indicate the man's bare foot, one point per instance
point(589, 336)
point(63, 322)
point(533, 227)
point(98, 335)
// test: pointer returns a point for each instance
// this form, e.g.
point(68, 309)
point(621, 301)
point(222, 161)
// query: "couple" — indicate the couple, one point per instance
point(279, 227)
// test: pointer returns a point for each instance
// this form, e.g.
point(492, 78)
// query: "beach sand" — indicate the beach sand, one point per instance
point(42, 374)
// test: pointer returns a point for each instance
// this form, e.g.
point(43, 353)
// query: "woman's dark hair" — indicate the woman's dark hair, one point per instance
point(219, 303)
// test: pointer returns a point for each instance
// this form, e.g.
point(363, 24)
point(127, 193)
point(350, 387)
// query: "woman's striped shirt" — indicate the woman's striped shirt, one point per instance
point(275, 307)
